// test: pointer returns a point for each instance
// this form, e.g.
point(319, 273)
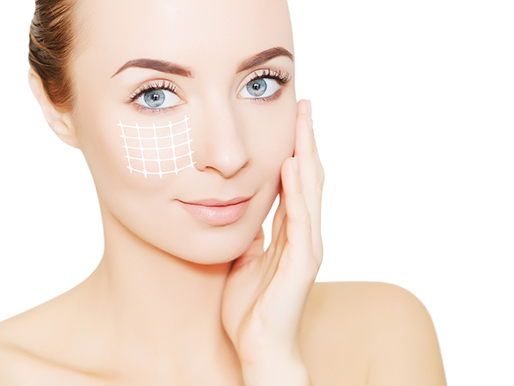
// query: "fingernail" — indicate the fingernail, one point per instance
point(309, 108)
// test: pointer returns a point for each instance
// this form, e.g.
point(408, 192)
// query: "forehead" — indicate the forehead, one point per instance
point(189, 32)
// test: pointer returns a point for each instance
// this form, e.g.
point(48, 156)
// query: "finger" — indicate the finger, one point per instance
point(305, 108)
point(297, 268)
point(299, 232)
point(311, 172)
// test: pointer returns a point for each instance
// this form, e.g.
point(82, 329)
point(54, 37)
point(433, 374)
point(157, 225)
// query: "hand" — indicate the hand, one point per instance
point(266, 291)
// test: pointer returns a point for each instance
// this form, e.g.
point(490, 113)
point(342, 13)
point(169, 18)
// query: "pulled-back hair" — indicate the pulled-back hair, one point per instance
point(51, 47)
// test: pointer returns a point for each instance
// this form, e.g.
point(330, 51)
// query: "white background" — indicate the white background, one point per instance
point(414, 116)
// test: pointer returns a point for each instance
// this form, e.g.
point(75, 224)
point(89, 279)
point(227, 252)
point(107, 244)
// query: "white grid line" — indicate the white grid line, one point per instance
point(158, 162)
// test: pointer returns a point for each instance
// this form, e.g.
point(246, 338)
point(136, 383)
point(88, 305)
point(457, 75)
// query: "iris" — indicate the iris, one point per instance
point(257, 87)
point(154, 98)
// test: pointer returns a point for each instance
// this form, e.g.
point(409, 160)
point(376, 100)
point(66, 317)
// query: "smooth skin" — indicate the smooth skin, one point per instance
point(177, 301)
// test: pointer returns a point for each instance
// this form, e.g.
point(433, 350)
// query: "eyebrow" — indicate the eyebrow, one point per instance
point(157, 65)
point(263, 57)
point(172, 68)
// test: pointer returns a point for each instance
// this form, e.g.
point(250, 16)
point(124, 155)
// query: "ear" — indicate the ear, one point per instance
point(59, 122)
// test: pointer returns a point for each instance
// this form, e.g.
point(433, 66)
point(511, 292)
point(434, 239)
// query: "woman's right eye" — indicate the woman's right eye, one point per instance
point(158, 98)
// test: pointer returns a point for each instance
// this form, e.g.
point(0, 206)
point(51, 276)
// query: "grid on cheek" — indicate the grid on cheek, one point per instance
point(157, 150)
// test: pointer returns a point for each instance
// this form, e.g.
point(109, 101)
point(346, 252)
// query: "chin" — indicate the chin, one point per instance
point(215, 246)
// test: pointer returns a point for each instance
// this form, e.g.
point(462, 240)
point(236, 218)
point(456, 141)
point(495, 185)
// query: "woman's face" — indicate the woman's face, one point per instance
point(226, 66)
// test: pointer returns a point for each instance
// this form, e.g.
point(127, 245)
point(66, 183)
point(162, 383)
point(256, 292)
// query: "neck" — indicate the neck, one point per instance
point(155, 307)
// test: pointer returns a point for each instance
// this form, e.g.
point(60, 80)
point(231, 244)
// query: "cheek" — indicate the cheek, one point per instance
point(131, 167)
point(102, 145)
point(271, 138)
point(157, 149)
point(121, 149)
point(130, 171)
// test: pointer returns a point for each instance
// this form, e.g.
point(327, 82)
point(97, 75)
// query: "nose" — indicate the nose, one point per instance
point(220, 146)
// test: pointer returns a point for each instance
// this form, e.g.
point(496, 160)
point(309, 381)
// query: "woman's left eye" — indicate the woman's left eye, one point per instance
point(260, 88)
point(158, 98)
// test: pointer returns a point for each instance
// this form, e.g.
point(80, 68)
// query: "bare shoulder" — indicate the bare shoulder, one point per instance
point(366, 333)
point(19, 366)
point(19, 363)
point(22, 368)
point(28, 346)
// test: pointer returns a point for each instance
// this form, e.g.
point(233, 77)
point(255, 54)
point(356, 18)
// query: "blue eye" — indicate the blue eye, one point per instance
point(260, 88)
point(158, 98)
point(156, 95)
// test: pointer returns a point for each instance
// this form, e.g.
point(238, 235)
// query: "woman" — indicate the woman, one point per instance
point(187, 117)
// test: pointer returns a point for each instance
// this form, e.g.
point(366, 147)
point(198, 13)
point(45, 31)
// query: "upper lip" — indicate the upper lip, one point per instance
point(217, 202)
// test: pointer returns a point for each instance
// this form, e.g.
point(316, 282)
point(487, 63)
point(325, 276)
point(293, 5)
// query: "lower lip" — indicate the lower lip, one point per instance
point(217, 215)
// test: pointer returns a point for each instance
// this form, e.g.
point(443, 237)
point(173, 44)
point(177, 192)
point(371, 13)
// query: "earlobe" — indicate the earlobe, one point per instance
point(59, 122)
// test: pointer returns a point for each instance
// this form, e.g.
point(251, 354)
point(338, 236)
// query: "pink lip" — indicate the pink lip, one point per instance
point(217, 212)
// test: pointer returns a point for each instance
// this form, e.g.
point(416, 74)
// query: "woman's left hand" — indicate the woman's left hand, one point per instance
point(266, 291)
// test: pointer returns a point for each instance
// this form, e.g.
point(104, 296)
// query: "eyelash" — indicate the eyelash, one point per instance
point(279, 76)
point(158, 85)
point(271, 74)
